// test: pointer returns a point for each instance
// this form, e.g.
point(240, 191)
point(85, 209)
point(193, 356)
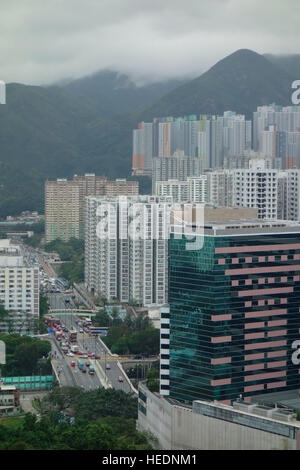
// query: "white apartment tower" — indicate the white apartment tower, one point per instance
point(276, 193)
point(19, 282)
point(194, 189)
point(126, 248)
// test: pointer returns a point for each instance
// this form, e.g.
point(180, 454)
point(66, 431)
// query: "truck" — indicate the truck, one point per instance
point(74, 348)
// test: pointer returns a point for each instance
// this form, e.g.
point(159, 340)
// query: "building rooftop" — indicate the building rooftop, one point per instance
point(272, 414)
point(289, 399)
point(222, 221)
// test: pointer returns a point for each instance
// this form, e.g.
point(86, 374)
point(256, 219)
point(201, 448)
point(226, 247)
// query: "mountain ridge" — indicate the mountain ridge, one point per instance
point(48, 132)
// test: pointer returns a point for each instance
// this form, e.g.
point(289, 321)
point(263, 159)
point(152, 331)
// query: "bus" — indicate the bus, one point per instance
point(98, 330)
point(58, 336)
point(73, 336)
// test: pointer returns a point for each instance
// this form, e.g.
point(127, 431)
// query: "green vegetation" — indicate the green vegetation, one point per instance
point(25, 356)
point(3, 313)
point(66, 250)
point(104, 420)
point(133, 336)
point(153, 380)
point(101, 319)
point(12, 422)
point(38, 229)
point(41, 327)
point(73, 253)
point(54, 432)
point(94, 404)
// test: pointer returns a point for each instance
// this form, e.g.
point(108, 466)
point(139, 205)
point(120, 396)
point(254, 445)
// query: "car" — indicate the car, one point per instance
point(91, 354)
point(83, 356)
point(107, 367)
point(97, 356)
point(70, 354)
point(73, 364)
point(83, 370)
point(120, 379)
point(87, 364)
point(81, 330)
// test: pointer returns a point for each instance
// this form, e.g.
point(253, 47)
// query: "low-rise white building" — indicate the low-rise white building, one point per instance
point(19, 281)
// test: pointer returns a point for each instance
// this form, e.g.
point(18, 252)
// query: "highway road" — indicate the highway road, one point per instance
point(72, 376)
point(89, 345)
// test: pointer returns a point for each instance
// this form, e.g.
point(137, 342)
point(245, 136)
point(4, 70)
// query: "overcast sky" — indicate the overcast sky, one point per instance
point(42, 41)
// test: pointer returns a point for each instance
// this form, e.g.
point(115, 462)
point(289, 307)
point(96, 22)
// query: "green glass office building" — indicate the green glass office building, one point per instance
point(234, 312)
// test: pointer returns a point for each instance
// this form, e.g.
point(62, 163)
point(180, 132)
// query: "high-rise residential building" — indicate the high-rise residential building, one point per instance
point(126, 248)
point(291, 194)
point(89, 185)
point(243, 161)
point(220, 187)
point(234, 301)
point(208, 138)
point(178, 190)
point(65, 202)
point(19, 286)
point(194, 189)
point(276, 131)
point(142, 149)
point(62, 210)
point(121, 187)
point(257, 187)
point(274, 192)
point(178, 167)
point(198, 189)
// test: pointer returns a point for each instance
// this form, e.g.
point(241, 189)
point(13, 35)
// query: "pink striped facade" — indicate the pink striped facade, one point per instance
point(264, 293)
point(256, 249)
point(220, 339)
point(218, 382)
point(221, 360)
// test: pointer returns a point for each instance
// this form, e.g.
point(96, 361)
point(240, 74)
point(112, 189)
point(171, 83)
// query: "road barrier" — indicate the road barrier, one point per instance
point(127, 378)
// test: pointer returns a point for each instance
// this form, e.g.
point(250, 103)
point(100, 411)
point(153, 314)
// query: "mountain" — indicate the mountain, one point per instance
point(114, 94)
point(239, 82)
point(86, 126)
point(42, 134)
point(290, 63)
